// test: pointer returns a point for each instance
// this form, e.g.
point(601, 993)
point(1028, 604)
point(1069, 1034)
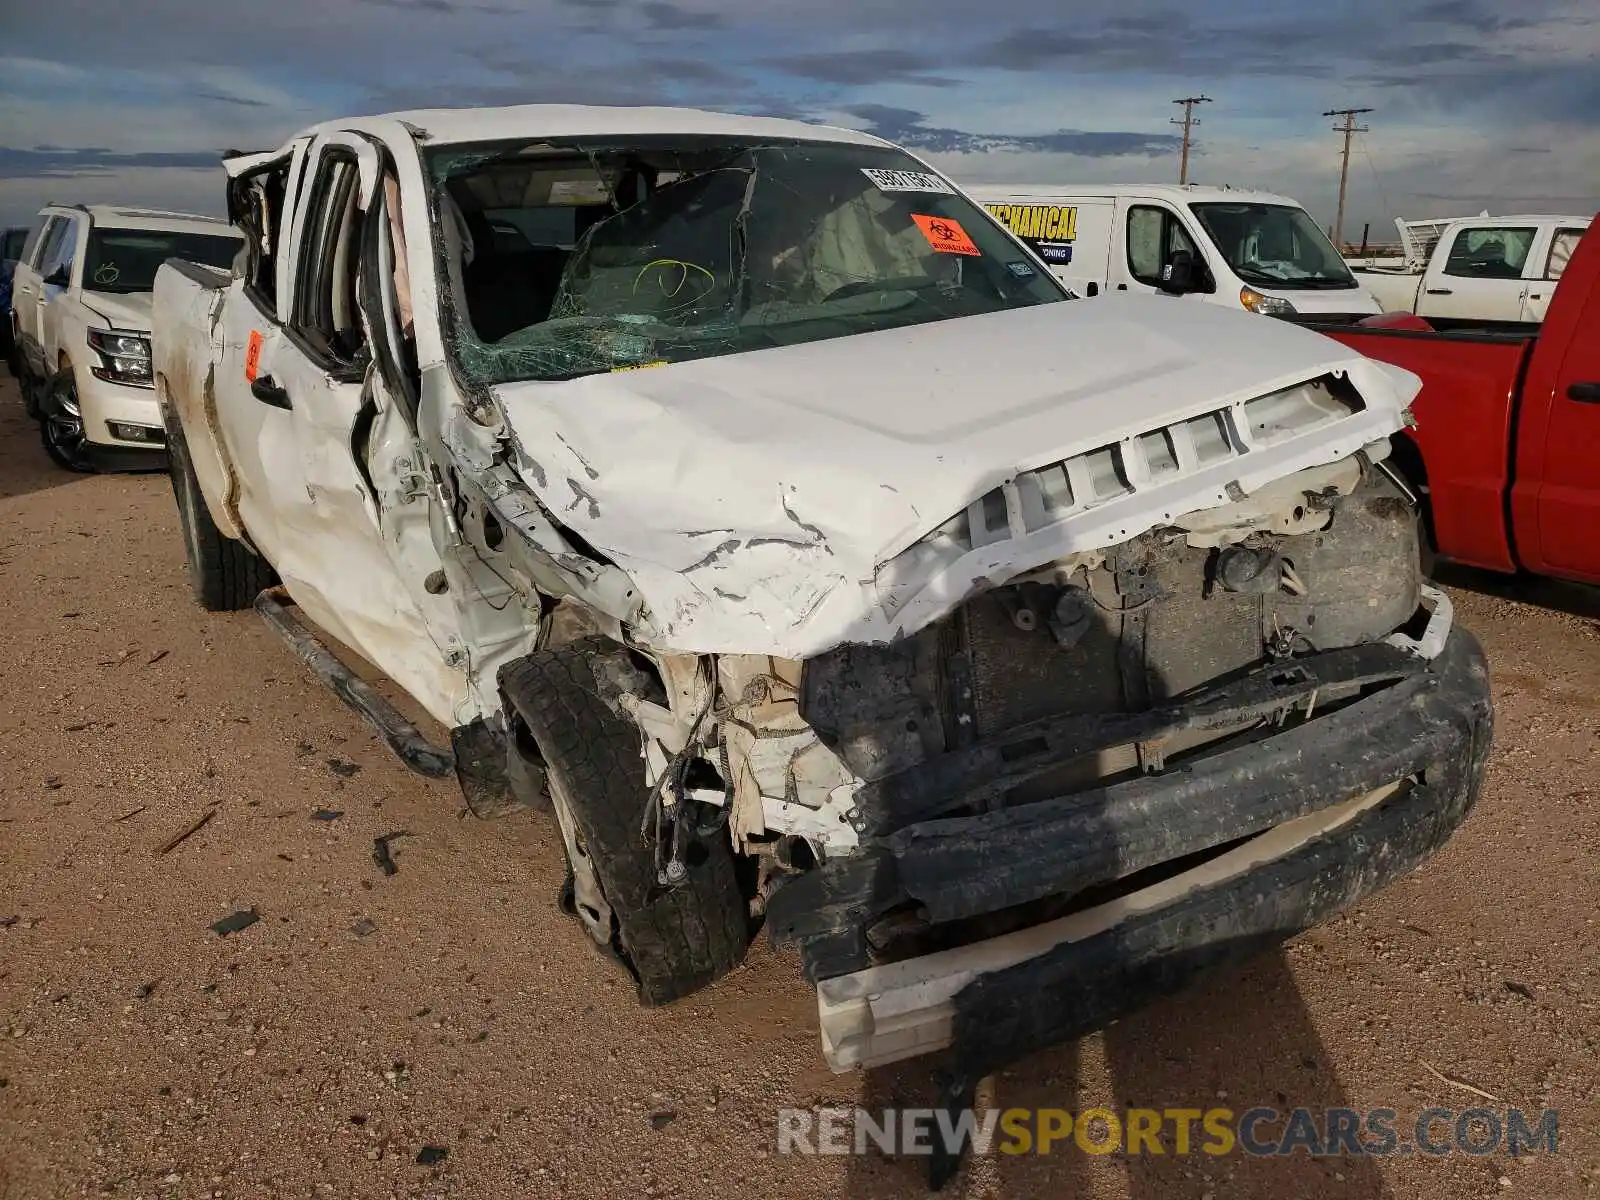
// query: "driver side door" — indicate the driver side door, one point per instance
point(1154, 236)
point(54, 298)
point(1479, 276)
point(25, 289)
point(1553, 258)
point(333, 555)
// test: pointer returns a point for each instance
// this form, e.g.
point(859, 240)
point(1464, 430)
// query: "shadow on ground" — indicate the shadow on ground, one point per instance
point(1575, 599)
point(24, 466)
point(1241, 1038)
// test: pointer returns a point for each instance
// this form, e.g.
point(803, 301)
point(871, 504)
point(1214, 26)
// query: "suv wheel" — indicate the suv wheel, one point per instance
point(61, 425)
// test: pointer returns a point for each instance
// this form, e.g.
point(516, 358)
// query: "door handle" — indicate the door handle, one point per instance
point(1122, 287)
point(1441, 292)
point(265, 390)
point(1585, 393)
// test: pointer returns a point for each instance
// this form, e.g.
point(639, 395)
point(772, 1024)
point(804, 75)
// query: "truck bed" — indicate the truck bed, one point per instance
point(1394, 289)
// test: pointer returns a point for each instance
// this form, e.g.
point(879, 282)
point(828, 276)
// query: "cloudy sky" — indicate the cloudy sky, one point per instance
point(1474, 107)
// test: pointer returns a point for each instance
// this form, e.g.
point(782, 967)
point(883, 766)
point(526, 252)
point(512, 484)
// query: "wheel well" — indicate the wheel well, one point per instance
point(1407, 457)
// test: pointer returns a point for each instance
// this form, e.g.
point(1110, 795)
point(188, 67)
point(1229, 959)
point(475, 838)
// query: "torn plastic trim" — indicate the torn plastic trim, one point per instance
point(924, 592)
point(984, 1000)
point(882, 1015)
point(244, 164)
point(1441, 616)
point(961, 867)
point(978, 775)
point(553, 566)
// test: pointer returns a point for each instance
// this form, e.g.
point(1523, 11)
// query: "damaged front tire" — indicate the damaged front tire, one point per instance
point(674, 940)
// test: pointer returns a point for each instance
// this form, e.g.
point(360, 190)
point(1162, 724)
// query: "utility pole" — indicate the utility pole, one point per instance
point(1188, 121)
point(1349, 129)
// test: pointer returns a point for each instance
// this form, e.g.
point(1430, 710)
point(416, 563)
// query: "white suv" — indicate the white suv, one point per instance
point(80, 314)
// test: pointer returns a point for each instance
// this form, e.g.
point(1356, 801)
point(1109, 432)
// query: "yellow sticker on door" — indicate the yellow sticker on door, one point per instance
point(1049, 221)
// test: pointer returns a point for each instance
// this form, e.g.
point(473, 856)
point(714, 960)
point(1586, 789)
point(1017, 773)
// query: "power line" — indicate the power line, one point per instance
point(1188, 121)
point(1349, 129)
point(1383, 193)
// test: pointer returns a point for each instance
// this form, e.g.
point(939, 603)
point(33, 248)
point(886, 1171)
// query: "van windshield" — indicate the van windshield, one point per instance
point(1275, 245)
point(579, 260)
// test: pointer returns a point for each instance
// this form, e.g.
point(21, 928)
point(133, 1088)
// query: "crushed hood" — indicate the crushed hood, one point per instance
point(121, 310)
point(752, 497)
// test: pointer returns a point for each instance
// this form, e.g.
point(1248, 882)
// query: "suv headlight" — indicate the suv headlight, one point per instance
point(124, 356)
point(1267, 306)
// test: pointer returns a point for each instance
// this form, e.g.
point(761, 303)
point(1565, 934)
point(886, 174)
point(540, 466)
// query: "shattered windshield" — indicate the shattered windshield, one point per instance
point(1274, 244)
point(567, 262)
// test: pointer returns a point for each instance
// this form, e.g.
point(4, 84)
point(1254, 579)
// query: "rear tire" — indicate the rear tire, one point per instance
point(673, 940)
point(226, 574)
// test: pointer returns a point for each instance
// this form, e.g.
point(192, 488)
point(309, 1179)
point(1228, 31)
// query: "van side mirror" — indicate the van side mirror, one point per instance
point(1178, 274)
point(57, 278)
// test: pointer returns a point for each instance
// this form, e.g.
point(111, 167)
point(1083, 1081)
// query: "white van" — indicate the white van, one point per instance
point(1225, 246)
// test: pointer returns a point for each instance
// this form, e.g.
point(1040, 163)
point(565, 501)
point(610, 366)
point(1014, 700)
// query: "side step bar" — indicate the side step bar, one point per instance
point(404, 738)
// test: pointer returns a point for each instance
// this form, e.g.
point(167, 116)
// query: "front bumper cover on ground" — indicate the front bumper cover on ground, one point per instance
point(1333, 809)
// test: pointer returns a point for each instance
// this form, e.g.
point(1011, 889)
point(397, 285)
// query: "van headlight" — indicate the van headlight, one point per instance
point(124, 357)
point(1267, 306)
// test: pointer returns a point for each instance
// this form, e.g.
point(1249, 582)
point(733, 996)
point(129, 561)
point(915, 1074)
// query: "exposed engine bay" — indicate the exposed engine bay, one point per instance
point(779, 748)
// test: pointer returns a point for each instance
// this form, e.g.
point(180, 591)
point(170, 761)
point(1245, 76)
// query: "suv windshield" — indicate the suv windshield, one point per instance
point(126, 260)
point(568, 262)
point(1274, 244)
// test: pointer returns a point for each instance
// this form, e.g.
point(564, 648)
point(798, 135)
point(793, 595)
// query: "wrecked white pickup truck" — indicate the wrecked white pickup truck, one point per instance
point(739, 489)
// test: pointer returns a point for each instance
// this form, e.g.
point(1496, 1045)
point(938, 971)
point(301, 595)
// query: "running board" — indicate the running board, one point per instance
point(404, 738)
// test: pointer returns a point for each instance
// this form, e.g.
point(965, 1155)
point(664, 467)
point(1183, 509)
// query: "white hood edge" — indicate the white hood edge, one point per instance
point(752, 498)
point(121, 310)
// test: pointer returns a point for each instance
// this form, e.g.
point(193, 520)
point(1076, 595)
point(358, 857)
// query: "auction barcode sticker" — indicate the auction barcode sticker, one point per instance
point(907, 181)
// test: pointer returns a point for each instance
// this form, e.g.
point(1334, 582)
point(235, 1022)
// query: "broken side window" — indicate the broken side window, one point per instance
point(574, 261)
point(385, 295)
point(255, 205)
point(325, 303)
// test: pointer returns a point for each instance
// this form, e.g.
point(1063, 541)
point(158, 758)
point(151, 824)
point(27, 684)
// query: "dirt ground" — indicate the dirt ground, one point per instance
point(365, 1017)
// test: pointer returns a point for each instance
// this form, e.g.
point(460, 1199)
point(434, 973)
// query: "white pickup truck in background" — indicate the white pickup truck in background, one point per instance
point(1480, 270)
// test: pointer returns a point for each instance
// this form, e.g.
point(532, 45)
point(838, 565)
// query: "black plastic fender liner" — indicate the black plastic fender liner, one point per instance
point(399, 734)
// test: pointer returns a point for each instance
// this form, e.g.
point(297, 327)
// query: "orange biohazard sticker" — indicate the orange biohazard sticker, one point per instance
point(252, 357)
point(945, 235)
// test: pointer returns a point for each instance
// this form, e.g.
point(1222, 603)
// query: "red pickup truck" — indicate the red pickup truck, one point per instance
point(1506, 448)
